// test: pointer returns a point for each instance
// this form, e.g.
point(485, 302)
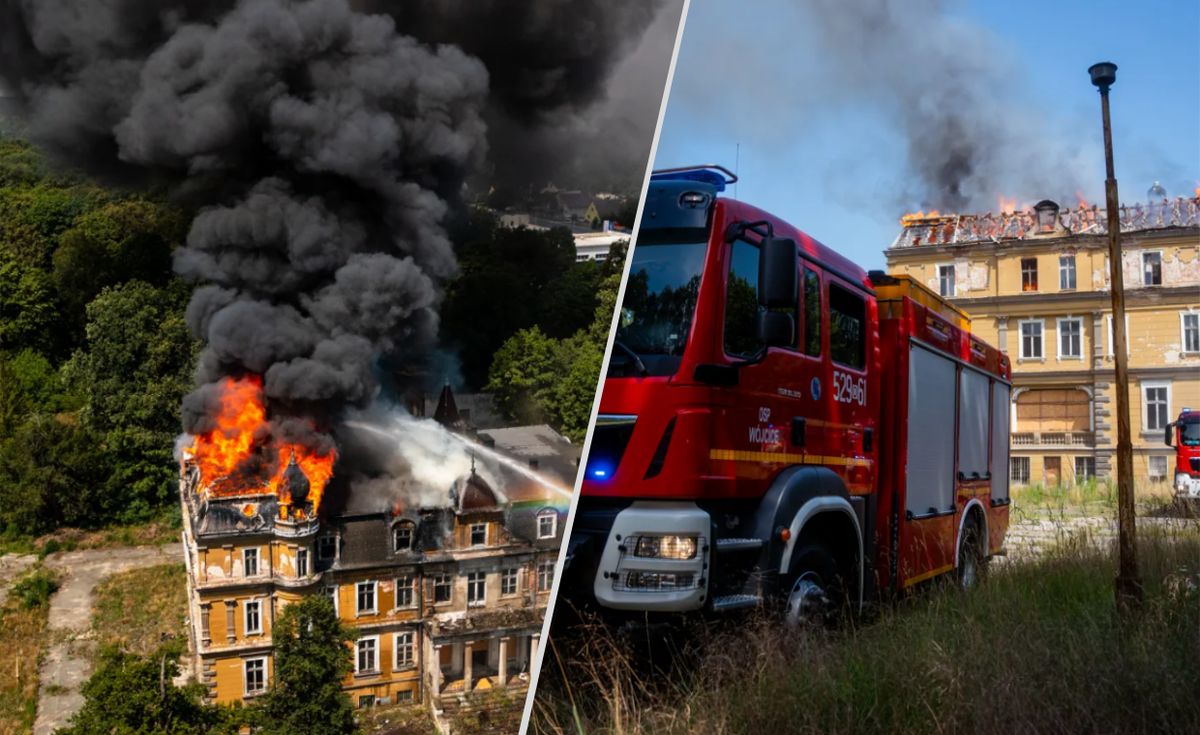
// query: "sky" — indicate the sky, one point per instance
point(840, 116)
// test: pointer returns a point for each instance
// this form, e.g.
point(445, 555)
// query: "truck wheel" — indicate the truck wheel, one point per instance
point(971, 563)
point(816, 593)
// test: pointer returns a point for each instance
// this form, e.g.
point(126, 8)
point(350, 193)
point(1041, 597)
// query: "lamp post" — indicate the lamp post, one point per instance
point(1128, 583)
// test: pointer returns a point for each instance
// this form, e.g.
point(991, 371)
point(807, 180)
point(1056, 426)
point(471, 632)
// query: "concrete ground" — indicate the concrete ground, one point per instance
point(66, 665)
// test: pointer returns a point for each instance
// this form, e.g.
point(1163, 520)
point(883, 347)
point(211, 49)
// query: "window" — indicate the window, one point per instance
point(847, 337)
point(253, 617)
point(301, 562)
point(1029, 274)
point(1070, 338)
point(478, 534)
point(367, 660)
point(1085, 468)
point(1031, 340)
point(250, 562)
point(366, 597)
point(1189, 326)
point(1156, 406)
point(741, 301)
point(404, 591)
point(547, 522)
point(1156, 466)
point(812, 313)
point(508, 582)
point(366, 701)
point(331, 591)
point(404, 650)
point(441, 588)
point(1152, 269)
point(256, 675)
point(1018, 470)
point(545, 576)
point(402, 536)
point(327, 548)
point(476, 588)
point(946, 280)
point(1066, 272)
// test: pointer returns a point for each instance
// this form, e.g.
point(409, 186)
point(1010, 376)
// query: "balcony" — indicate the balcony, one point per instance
point(1053, 439)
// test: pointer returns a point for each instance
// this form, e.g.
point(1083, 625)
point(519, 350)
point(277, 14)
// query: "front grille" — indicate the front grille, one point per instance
point(608, 445)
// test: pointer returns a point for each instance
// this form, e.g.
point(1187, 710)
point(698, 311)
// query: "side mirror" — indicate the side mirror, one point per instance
point(778, 281)
point(776, 328)
point(1169, 435)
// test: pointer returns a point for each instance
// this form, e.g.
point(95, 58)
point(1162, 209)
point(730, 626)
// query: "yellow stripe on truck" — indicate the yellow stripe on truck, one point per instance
point(740, 455)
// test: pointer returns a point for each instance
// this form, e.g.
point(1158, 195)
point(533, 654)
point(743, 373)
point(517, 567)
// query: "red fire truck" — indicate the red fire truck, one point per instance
point(780, 426)
point(1184, 434)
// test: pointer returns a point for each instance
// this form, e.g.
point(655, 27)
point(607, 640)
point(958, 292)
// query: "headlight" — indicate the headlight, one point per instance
point(666, 547)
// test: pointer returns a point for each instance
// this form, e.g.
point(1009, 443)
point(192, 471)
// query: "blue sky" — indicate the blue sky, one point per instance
point(826, 114)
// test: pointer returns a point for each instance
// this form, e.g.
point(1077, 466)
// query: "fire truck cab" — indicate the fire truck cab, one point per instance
point(1184, 434)
point(777, 424)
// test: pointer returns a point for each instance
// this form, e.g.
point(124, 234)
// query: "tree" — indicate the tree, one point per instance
point(523, 373)
point(28, 307)
point(312, 656)
point(133, 373)
point(134, 695)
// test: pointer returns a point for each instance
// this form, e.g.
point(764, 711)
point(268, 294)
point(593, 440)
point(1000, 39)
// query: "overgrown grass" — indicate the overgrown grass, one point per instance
point(22, 639)
point(397, 719)
point(1039, 648)
point(1089, 498)
point(140, 609)
point(163, 528)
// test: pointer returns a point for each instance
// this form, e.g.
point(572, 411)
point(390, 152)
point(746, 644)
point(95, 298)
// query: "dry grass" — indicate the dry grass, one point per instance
point(1091, 498)
point(1039, 648)
point(140, 609)
point(22, 638)
point(163, 529)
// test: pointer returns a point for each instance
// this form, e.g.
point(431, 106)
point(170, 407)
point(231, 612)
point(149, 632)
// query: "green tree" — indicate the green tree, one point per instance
point(124, 240)
point(28, 307)
point(33, 217)
point(133, 373)
point(312, 656)
point(134, 695)
point(522, 374)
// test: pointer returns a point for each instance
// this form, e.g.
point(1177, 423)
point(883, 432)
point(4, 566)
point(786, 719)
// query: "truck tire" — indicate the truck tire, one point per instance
point(972, 563)
point(814, 592)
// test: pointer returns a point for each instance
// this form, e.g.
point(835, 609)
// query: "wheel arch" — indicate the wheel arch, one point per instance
point(973, 508)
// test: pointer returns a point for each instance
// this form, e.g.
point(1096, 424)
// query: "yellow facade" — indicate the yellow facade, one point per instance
point(1043, 297)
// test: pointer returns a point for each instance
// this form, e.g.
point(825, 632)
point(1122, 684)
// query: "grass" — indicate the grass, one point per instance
point(396, 719)
point(23, 636)
point(1038, 648)
point(163, 528)
point(1092, 498)
point(140, 609)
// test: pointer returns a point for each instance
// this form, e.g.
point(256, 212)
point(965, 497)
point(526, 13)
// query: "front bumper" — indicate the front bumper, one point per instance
point(618, 571)
point(1187, 486)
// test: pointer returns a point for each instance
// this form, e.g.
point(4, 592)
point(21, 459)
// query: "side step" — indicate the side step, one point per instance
point(738, 544)
point(725, 603)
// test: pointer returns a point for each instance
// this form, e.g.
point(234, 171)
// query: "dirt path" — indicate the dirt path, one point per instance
point(66, 665)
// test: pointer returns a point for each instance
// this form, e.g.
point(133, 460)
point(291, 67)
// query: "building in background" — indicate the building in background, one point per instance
point(1036, 284)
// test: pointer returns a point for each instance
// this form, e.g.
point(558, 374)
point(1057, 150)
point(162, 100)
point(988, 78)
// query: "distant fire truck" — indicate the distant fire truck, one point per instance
point(1184, 434)
point(779, 426)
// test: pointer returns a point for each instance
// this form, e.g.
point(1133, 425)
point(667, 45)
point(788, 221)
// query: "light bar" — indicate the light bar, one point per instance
point(709, 173)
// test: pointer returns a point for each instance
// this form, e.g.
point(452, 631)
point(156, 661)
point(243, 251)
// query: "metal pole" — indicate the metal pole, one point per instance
point(1128, 583)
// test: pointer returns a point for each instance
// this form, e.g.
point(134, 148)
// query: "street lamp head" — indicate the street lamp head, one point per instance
point(1103, 75)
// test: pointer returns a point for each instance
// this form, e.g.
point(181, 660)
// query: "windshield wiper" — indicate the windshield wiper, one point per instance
point(637, 361)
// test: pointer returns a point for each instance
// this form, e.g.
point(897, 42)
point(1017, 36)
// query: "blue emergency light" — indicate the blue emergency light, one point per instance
point(710, 173)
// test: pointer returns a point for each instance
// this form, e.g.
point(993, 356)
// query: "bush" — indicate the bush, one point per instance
point(34, 589)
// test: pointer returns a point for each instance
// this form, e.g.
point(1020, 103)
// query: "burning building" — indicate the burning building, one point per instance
point(446, 586)
point(1035, 281)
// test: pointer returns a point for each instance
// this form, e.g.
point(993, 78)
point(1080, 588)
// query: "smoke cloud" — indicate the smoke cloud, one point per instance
point(324, 145)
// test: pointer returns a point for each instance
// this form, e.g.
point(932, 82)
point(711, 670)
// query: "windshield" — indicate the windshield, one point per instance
point(660, 298)
point(1189, 434)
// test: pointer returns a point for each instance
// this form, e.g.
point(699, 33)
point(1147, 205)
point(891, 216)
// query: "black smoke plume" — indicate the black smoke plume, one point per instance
point(323, 145)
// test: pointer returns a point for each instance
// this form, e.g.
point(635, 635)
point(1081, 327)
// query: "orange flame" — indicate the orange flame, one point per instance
point(240, 457)
point(1006, 205)
point(912, 218)
point(1082, 203)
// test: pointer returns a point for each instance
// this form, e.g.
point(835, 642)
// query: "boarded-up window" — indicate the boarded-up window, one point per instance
point(1053, 410)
